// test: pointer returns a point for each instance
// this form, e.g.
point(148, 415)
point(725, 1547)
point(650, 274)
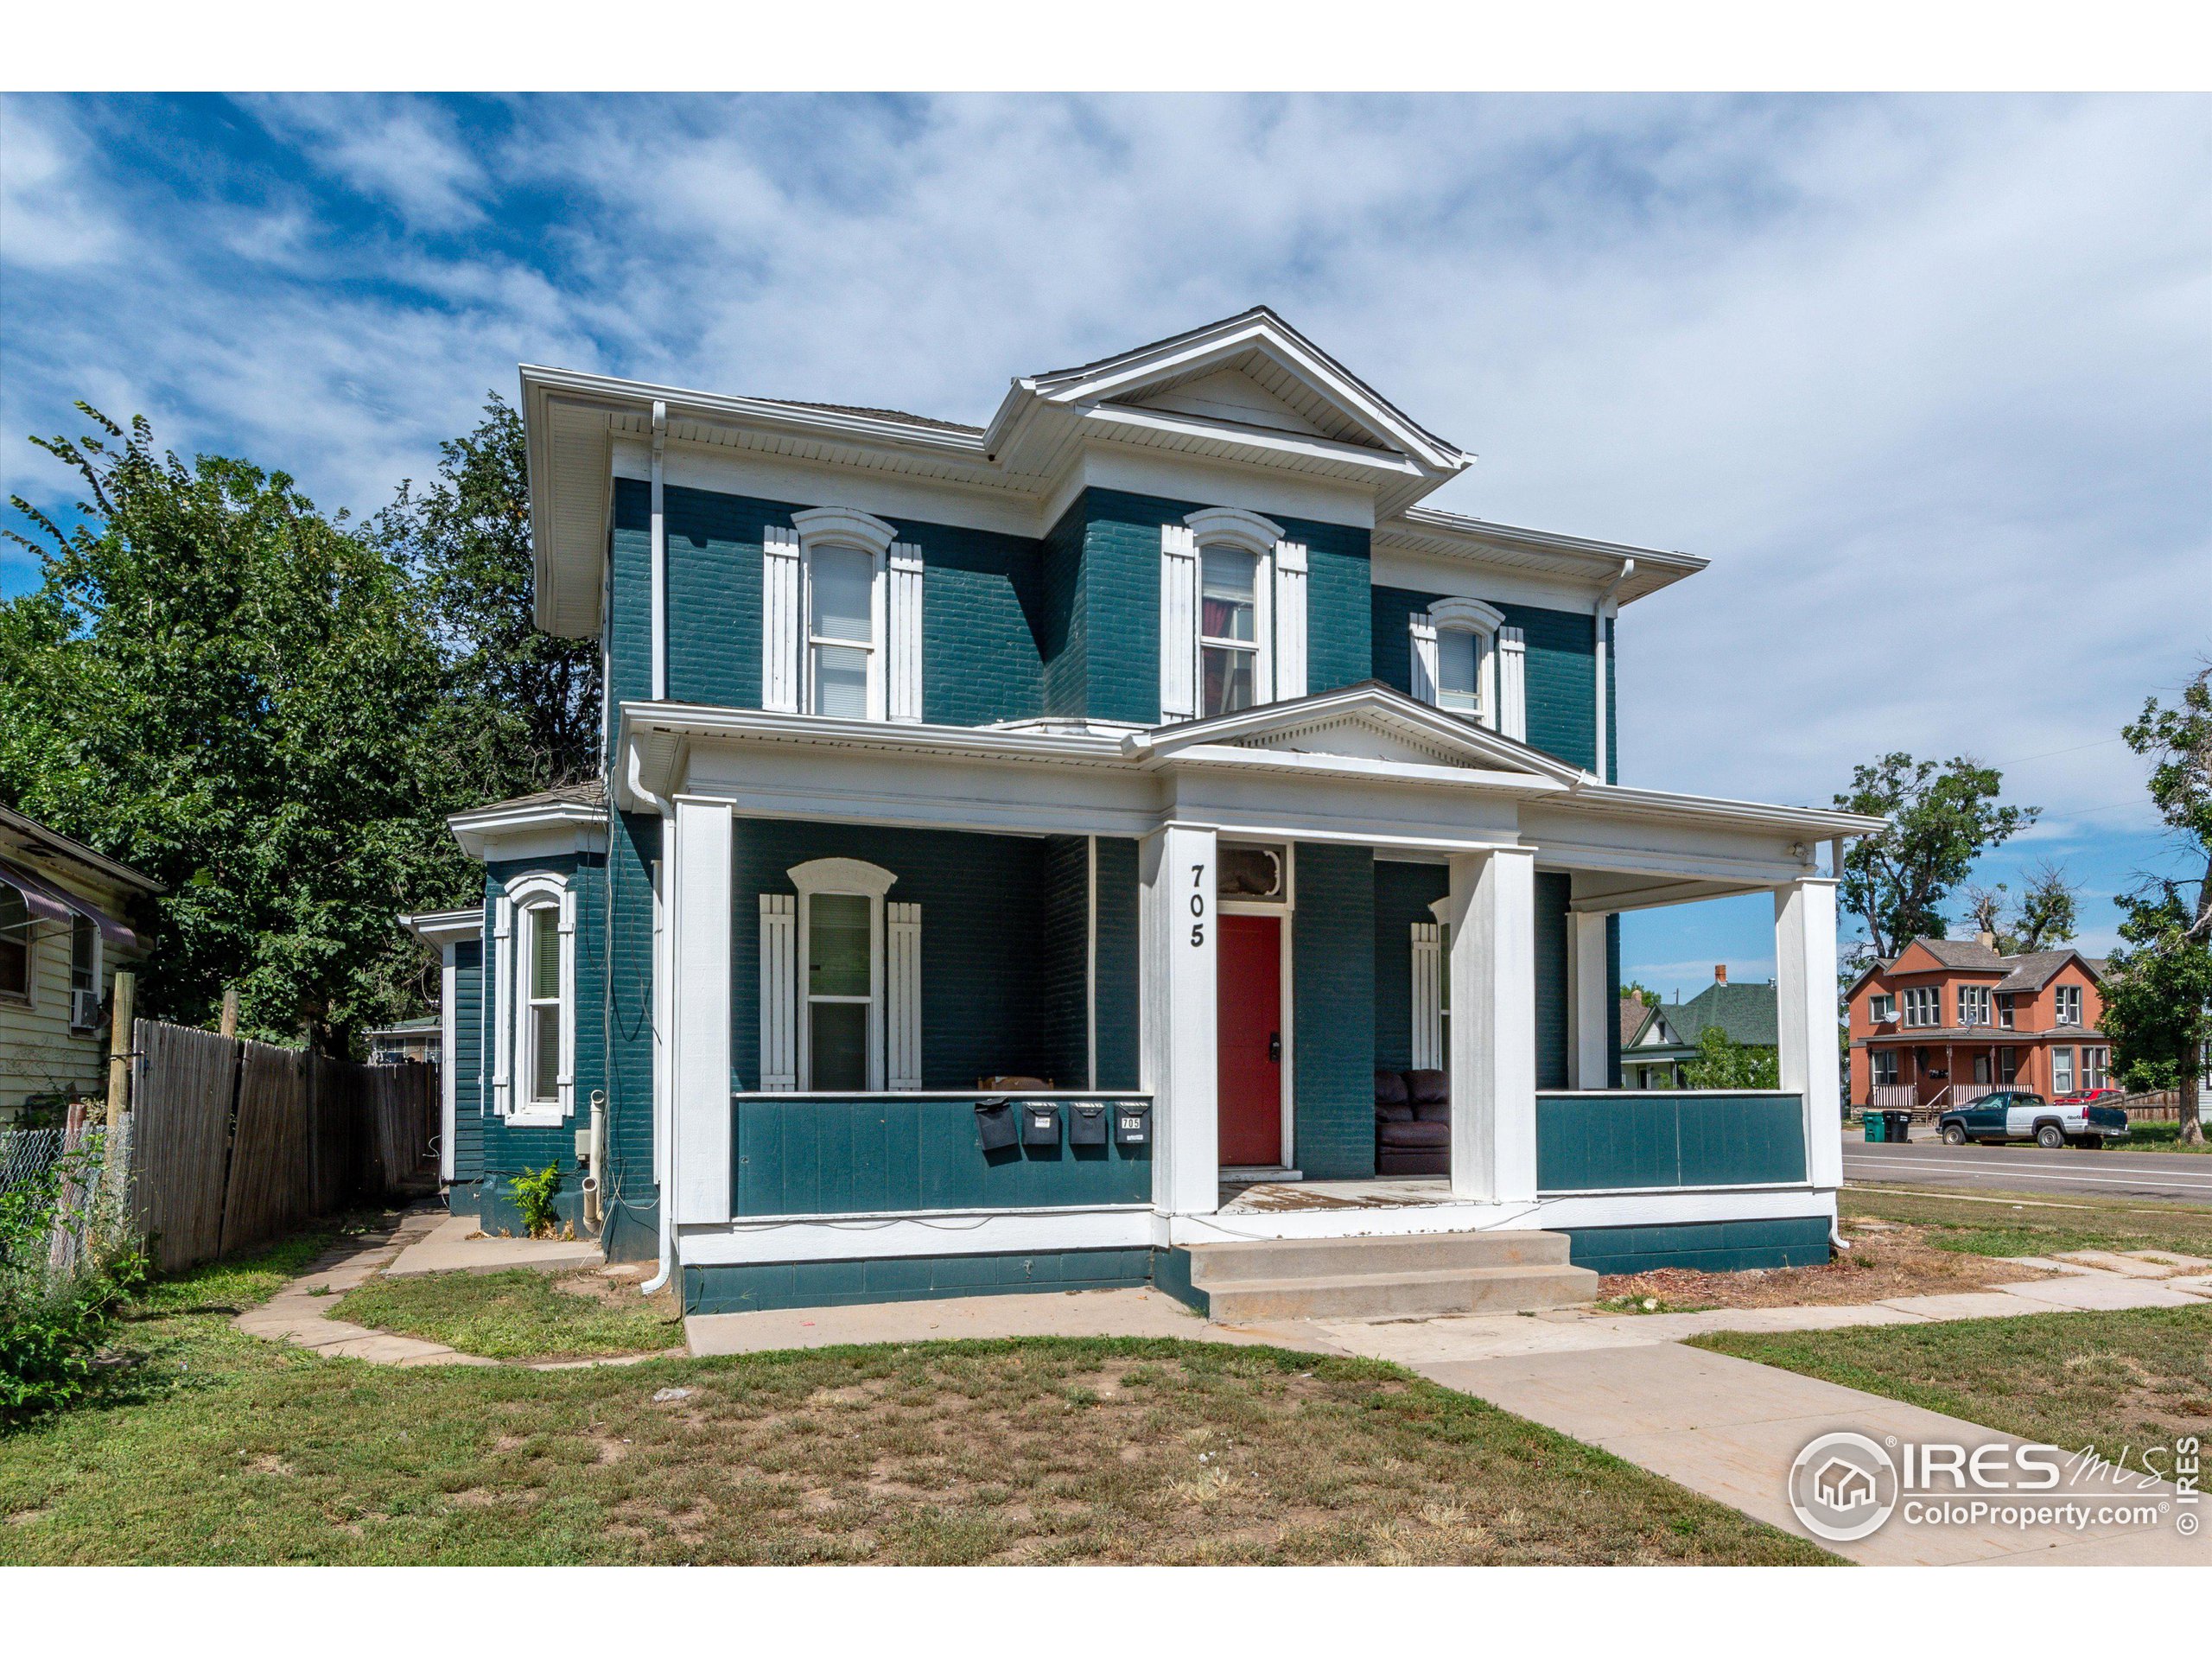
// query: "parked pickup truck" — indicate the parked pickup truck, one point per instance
point(2015, 1115)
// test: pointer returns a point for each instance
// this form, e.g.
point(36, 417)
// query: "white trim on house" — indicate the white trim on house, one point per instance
point(523, 896)
point(855, 878)
point(445, 930)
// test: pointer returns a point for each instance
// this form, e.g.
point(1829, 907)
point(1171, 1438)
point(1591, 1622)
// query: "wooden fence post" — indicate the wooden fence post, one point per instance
point(119, 1045)
point(230, 1025)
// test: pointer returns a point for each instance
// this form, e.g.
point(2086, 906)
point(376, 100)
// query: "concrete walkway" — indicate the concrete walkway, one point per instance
point(1729, 1428)
point(299, 1313)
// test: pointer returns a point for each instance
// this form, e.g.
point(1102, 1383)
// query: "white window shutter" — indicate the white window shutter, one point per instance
point(565, 1090)
point(1178, 623)
point(1512, 684)
point(1427, 999)
point(781, 623)
point(903, 995)
point(1290, 620)
point(903, 634)
point(779, 991)
point(1424, 657)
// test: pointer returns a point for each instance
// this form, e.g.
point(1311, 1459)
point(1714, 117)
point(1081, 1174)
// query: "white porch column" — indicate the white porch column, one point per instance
point(1493, 1025)
point(1177, 927)
point(1595, 1014)
point(1805, 1036)
point(699, 920)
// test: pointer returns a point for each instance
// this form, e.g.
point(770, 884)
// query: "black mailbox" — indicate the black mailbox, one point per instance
point(995, 1124)
point(1041, 1124)
point(1087, 1124)
point(1133, 1123)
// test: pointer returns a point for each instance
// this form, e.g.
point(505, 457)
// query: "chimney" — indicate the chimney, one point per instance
point(1720, 973)
point(1986, 939)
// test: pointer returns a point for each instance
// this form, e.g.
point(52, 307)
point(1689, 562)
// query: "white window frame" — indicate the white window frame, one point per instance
point(1885, 1059)
point(1882, 1007)
point(1243, 532)
point(1458, 614)
point(535, 890)
point(91, 929)
point(2066, 998)
point(852, 878)
point(1924, 1006)
point(845, 528)
point(2061, 1070)
point(28, 994)
point(2096, 1067)
point(1974, 1006)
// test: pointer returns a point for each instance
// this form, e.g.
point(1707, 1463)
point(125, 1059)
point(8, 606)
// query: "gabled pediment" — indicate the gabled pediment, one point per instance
point(1371, 722)
point(1253, 370)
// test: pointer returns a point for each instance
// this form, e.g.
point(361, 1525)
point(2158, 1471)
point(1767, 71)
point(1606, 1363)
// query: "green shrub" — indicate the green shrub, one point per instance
point(533, 1192)
point(56, 1305)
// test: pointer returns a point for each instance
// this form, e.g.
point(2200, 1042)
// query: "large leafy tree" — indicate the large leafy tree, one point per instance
point(2158, 990)
point(1724, 1063)
point(532, 699)
point(1942, 817)
point(228, 688)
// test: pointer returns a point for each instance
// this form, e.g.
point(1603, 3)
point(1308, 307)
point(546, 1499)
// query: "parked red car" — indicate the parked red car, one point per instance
point(2088, 1097)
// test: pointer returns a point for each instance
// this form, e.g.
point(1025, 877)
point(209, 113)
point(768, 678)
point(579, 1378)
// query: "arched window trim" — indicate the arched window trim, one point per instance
point(1243, 532)
point(1459, 615)
point(532, 891)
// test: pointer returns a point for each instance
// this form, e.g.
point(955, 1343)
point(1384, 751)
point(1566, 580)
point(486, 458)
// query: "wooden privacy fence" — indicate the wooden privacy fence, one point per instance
point(236, 1143)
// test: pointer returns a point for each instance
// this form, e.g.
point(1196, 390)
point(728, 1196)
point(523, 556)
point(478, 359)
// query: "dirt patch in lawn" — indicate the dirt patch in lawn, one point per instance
point(1887, 1259)
point(522, 1314)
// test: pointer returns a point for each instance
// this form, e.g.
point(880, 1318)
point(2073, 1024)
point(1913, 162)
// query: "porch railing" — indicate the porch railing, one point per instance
point(826, 1155)
point(1616, 1141)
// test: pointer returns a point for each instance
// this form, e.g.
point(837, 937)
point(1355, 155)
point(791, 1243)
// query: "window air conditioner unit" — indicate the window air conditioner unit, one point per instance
point(83, 1010)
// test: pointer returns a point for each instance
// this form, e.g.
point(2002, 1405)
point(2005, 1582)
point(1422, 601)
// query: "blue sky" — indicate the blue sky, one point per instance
point(1929, 380)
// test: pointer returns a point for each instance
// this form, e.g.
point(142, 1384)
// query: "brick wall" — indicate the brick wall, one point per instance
point(467, 1068)
point(1333, 954)
point(1119, 1064)
point(1062, 961)
point(1562, 678)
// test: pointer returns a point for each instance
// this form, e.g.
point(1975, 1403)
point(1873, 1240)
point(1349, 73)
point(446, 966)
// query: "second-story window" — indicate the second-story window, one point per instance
point(1974, 1004)
point(1882, 1009)
point(2069, 1005)
point(1923, 1005)
point(840, 631)
point(1459, 671)
point(1229, 649)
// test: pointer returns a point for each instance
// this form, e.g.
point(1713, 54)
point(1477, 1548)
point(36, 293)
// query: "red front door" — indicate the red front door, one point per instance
point(1249, 1039)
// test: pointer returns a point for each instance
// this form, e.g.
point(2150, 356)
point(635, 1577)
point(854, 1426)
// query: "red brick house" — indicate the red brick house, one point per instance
point(1946, 1018)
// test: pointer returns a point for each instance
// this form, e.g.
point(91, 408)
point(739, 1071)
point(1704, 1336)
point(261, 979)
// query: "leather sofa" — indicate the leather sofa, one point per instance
point(1413, 1123)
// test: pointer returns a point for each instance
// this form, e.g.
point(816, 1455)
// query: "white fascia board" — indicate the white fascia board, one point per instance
point(1608, 1210)
point(530, 831)
point(1582, 564)
point(1256, 440)
point(1350, 768)
point(1803, 823)
point(444, 927)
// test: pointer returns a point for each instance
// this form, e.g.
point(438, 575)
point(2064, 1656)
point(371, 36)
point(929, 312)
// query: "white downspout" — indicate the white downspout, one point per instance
point(660, 559)
point(1604, 615)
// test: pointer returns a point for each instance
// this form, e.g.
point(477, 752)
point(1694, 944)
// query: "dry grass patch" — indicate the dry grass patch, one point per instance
point(522, 1314)
point(1048, 1451)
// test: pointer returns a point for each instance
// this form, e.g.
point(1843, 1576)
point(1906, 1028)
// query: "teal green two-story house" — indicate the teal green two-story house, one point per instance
point(1042, 855)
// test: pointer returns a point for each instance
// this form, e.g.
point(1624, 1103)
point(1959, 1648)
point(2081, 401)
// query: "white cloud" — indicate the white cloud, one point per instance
point(407, 152)
point(44, 224)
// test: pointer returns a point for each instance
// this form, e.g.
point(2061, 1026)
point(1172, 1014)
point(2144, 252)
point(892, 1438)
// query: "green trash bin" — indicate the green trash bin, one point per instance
point(1877, 1126)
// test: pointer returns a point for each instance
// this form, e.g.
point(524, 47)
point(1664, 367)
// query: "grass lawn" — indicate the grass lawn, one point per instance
point(522, 1314)
point(2122, 1380)
point(2161, 1137)
point(2018, 1224)
point(218, 1447)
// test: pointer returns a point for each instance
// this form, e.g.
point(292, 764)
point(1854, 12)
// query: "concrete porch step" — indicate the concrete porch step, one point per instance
point(1401, 1296)
point(1224, 1264)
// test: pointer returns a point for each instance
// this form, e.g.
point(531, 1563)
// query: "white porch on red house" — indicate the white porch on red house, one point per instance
point(826, 1146)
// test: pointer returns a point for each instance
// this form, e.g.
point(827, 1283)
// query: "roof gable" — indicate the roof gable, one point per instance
point(1367, 721)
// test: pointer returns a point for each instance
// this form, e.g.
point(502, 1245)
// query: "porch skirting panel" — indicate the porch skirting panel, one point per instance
point(1669, 1138)
point(1707, 1246)
point(749, 1287)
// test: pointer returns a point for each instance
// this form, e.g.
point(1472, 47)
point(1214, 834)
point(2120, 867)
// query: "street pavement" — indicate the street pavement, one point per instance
point(2177, 1178)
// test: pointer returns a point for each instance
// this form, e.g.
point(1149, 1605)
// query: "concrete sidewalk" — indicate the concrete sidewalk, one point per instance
point(458, 1244)
point(1135, 1312)
point(1729, 1428)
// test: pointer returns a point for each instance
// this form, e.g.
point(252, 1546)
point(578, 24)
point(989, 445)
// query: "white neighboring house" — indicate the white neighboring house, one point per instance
point(63, 933)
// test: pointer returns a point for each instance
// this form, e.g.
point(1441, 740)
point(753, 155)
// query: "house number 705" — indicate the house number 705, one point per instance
point(1197, 905)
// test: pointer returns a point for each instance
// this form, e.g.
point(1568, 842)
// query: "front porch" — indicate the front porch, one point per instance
point(1196, 961)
